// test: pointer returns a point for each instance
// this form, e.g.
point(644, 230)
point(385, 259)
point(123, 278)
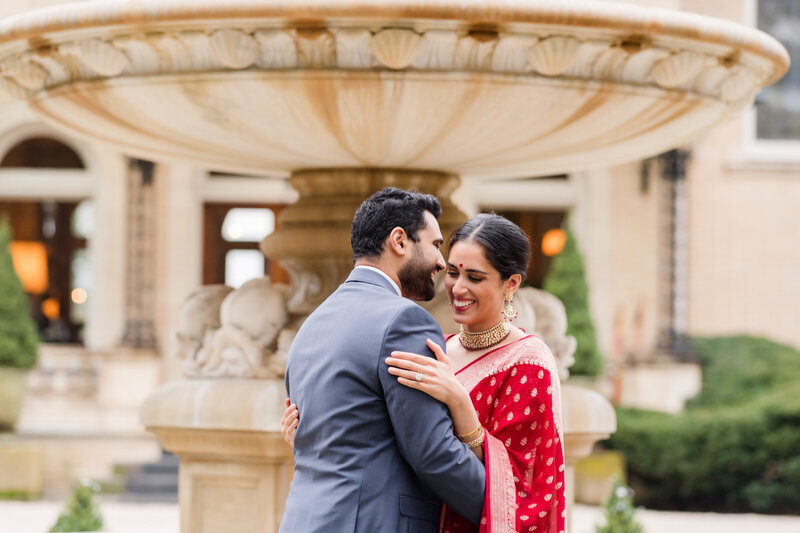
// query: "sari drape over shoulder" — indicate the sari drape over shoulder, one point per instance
point(516, 392)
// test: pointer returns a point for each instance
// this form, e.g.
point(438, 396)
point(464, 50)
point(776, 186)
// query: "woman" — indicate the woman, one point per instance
point(500, 384)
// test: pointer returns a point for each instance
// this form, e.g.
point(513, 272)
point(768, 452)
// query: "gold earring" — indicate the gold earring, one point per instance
point(509, 311)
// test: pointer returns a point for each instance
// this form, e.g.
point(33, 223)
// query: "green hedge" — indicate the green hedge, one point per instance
point(735, 448)
point(737, 370)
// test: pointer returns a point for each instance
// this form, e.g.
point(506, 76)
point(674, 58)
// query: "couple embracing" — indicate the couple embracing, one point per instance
point(398, 429)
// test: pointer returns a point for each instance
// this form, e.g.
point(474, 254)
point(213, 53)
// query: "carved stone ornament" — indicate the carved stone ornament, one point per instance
point(389, 48)
point(395, 48)
point(224, 332)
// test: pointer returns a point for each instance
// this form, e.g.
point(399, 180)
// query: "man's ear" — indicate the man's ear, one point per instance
point(397, 242)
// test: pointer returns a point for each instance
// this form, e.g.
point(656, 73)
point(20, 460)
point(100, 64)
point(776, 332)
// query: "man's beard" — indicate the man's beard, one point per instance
point(416, 278)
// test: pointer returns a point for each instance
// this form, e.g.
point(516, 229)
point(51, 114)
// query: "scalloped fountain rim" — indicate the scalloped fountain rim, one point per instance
point(633, 22)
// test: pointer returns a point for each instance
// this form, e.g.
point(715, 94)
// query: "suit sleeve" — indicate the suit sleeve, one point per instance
point(422, 425)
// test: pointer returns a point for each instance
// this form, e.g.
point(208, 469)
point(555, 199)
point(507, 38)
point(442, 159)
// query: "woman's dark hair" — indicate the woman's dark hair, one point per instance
point(504, 244)
point(385, 210)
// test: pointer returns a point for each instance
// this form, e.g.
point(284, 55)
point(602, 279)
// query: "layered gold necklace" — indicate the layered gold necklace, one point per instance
point(480, 340)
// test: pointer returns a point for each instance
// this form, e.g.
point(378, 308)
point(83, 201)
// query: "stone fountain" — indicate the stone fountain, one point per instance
point(343, 98)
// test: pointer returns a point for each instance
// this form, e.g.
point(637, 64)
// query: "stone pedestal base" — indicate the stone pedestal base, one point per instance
point(235, 468)
point(230, 480)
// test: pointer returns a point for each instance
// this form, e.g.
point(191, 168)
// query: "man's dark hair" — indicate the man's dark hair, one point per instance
point(385, 210)
point(504, 244)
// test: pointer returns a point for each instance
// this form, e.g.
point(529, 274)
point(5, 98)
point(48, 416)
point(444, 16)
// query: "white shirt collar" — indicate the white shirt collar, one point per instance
point(382, 273)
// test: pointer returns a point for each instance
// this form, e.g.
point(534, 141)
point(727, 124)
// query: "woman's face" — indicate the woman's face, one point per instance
point(474, 287)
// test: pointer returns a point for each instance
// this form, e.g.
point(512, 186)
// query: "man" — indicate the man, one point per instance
point(372, 455)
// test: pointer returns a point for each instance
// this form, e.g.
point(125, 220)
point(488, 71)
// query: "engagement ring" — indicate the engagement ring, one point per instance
point(418, 376)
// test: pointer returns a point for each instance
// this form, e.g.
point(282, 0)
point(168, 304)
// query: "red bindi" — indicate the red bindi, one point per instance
point(461, 265)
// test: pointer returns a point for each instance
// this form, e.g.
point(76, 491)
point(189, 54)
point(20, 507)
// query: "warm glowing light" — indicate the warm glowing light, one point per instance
point(51, 308)
point(78, 295)
point(235, 232)
point(553, 242)
point(30, 262)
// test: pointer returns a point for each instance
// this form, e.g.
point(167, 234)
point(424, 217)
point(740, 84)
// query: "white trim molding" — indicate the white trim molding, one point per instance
point(245, 189)
point(49, 183)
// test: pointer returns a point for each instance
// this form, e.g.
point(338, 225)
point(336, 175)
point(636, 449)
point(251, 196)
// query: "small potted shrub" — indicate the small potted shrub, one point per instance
point(80, 512)
point(19, 339)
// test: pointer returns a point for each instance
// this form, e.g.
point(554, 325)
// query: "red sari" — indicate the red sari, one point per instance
point(516, 392)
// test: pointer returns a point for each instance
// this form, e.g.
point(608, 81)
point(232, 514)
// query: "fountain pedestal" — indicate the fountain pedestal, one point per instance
point(313, 242)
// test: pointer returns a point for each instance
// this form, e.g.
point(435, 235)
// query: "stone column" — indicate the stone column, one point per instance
point(105, 323)
point(179, 252)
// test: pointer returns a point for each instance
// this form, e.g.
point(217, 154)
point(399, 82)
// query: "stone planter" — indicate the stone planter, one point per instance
point(12, 391)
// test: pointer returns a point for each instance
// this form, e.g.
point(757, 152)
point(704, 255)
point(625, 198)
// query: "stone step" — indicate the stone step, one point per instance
point(150, 497)
point(152, 483)
point(168, 464)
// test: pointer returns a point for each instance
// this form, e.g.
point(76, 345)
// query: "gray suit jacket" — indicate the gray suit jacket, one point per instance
point(371, 455)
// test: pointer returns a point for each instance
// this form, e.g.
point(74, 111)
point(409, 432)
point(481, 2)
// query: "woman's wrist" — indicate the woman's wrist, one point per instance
point(460, 400)
point(463, 413)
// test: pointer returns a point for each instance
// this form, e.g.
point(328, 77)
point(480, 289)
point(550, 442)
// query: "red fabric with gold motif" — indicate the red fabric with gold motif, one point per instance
point(516, 392)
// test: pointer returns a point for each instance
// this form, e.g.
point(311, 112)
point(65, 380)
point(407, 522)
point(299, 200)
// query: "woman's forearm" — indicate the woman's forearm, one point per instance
point(465, 419)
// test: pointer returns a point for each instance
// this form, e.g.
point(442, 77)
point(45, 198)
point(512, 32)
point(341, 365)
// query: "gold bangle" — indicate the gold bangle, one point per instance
point(474, 443)
point(471, 435)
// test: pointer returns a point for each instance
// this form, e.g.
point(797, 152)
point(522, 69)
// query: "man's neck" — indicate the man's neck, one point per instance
point(380, 265)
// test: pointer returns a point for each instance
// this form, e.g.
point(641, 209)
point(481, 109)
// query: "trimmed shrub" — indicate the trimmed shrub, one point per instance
point(738, 369)
point(567, 281)
point(729, 451)
point(19, 339)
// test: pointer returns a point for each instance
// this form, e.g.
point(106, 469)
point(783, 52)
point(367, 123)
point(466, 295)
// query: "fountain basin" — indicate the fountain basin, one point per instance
point(474, 88)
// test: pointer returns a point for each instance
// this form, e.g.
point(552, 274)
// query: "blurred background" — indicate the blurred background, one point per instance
point(679, 274)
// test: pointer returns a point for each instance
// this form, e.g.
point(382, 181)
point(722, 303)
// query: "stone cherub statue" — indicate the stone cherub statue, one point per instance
point(543, 314)
point(224, 332)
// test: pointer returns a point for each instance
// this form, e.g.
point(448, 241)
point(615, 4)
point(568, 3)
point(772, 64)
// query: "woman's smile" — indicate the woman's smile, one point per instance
point(461, 305)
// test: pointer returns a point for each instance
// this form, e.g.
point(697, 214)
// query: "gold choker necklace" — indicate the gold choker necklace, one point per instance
point(480, 340)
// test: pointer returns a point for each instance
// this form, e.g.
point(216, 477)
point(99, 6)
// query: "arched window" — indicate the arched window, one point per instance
point(41, 152)
point(61, 228)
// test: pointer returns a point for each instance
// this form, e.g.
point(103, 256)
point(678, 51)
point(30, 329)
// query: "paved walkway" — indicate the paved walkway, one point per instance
point(38, 517)
point(584, 518)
